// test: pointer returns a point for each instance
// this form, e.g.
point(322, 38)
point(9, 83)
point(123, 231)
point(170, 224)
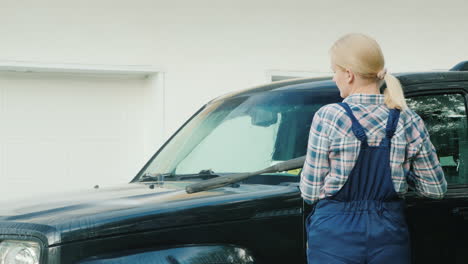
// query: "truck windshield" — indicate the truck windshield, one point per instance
point(243, 134)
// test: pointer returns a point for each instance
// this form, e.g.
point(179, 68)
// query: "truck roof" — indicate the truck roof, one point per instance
point(406, 79)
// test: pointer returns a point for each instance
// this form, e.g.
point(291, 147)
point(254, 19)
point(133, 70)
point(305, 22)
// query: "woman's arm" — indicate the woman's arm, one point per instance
point(316, 165)
point(425, 171)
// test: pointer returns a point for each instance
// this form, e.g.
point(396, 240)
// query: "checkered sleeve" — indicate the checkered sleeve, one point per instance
point(316, 165)
point(426, 173)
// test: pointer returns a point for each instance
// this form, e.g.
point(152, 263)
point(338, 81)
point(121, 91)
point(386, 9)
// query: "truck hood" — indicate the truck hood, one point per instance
point(134, 207)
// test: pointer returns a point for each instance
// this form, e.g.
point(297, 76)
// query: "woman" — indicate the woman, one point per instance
point(361, 155)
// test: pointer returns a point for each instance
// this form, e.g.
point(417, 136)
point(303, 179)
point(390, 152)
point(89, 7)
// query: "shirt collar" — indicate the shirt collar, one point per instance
point(365, 99)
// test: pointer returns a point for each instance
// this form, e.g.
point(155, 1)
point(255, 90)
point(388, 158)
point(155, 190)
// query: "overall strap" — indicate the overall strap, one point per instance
point(392, 123)
point(358, 130)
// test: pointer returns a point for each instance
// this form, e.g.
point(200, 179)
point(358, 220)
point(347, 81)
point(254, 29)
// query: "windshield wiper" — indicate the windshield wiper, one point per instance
point(236, 177)
point(160, 177)
point(203, 174)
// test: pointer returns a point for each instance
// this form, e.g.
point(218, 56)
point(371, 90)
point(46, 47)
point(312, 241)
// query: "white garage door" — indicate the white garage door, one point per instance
point(61, 131)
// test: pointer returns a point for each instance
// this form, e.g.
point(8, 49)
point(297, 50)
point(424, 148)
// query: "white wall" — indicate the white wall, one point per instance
point(205, 48)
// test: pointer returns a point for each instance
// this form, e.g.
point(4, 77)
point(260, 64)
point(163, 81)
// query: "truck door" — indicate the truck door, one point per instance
point(439, 228)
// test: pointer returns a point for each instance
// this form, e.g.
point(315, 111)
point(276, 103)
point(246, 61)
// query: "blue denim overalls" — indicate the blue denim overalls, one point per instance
point(364, 221)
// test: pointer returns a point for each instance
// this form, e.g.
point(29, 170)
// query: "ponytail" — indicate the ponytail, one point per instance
point(393, 94)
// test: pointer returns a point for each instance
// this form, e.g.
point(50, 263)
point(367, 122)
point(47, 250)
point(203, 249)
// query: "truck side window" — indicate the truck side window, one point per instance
point(445, 118)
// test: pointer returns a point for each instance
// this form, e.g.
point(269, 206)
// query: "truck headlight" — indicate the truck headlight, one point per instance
point(19, 252)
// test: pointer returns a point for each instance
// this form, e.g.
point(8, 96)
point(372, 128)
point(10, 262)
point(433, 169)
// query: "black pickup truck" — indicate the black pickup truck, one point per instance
point(224, 188)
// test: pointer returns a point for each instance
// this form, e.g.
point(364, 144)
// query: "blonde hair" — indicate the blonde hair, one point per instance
point(362, 55)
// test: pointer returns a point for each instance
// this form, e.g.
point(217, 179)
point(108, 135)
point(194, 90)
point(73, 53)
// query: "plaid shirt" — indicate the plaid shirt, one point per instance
point(333, 149)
